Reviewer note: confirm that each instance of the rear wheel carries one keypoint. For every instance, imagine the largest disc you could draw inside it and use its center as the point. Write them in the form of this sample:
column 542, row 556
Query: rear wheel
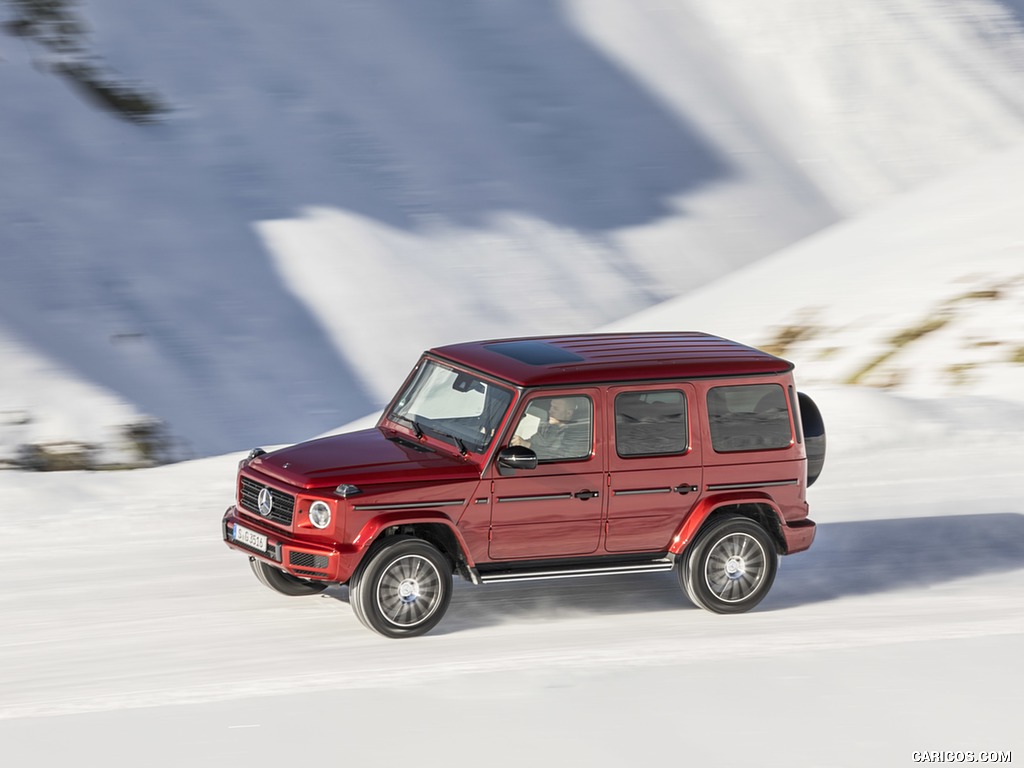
column 285, row 583
column 730, row 566
column 404, row 588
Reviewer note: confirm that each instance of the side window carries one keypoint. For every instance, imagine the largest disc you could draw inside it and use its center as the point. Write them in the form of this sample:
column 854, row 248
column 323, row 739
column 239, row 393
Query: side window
column 557, row 428
column 751, row 417
column 651, row 423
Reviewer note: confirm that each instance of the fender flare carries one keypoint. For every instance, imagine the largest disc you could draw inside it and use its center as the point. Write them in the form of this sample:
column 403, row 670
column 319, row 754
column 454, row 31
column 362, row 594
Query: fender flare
column 711, row 504
column 371, row 532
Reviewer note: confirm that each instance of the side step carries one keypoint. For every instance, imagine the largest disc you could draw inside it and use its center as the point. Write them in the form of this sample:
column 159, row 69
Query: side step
column 575, row 572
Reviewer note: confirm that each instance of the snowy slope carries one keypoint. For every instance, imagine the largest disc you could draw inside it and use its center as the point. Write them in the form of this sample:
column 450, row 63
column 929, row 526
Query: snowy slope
column 338, row 188
column 924, row 296
column 894, row 633
column 352, row 182
column 132, row 636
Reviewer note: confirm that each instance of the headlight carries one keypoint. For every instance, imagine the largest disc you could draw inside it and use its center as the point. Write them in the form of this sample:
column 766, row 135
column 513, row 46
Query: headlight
column 320, row 514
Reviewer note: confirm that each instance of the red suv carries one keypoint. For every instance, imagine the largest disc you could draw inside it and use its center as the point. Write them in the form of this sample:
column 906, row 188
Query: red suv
column 538, row 458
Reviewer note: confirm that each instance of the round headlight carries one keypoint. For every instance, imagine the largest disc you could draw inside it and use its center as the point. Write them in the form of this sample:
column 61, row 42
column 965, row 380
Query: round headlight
column 320, row 514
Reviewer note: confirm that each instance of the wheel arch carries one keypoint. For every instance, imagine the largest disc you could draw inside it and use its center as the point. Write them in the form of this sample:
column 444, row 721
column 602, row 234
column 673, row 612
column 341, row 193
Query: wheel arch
column 758, row 508
column 432, row 527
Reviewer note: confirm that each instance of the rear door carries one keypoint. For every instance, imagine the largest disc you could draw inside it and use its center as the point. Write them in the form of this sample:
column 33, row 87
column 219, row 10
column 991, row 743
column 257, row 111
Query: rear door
column 654, row 462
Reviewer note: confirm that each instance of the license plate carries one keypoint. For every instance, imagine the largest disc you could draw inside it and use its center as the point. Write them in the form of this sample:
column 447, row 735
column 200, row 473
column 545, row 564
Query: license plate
column 250, row 538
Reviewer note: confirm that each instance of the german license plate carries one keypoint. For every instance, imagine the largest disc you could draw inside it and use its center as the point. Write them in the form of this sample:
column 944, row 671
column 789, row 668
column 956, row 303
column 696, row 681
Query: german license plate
column 250, row 538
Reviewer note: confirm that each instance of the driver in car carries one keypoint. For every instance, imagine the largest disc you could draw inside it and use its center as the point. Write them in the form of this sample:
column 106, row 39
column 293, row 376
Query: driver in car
column 558, row 437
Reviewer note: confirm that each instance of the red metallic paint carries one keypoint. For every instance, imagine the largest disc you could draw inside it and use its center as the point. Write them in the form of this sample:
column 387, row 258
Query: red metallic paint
column 646, row 522
column 366, row 457
column 619, row 357
column 644, row 504
column 336, row 569
column 342, row 558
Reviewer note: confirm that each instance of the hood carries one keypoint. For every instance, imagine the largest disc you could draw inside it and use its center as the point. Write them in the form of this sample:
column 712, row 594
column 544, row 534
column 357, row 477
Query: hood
column 366, row 457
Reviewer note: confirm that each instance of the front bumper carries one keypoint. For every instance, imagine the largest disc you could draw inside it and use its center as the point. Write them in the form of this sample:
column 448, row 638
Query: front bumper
column 294, row 555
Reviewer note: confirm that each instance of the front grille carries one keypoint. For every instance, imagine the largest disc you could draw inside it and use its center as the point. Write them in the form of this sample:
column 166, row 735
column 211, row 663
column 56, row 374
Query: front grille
column 284, row 503
column 307, row 560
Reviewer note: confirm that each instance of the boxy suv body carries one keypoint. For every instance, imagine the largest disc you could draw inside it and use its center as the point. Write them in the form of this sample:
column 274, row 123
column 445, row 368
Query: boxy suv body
column 547, row 457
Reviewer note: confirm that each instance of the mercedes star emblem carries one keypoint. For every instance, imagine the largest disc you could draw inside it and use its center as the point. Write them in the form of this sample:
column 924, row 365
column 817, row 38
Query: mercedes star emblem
column 266, row 502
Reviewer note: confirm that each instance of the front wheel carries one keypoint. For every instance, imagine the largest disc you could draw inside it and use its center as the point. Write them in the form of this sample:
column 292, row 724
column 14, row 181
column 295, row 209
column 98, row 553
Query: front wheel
column 404, row 588
column 730, row 567
column 285, row 583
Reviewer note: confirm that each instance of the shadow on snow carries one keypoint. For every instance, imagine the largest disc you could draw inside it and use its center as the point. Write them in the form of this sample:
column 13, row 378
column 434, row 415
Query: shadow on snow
column 847, row 560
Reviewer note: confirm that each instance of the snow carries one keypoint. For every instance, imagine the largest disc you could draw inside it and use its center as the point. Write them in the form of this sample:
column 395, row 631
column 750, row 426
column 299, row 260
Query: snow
column 917, row 568
column 593, row 157
column 933, row 280
column 340, row 188
column 36, row 394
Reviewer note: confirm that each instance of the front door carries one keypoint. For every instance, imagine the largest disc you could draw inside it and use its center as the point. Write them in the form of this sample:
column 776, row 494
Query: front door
column 654, row 461
column 555, row 510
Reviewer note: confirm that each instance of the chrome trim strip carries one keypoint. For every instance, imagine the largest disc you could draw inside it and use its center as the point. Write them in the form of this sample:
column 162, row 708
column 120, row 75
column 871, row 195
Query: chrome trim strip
column 740, row 486
column 641, row 491
column 550, row 497
column 412, row 505
column 658, row 565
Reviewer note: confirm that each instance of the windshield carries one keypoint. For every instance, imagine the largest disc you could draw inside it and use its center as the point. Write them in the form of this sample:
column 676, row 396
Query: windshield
column 453, row 405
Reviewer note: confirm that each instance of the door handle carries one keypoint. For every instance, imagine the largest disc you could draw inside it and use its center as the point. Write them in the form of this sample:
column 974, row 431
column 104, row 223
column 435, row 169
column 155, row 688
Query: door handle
column 584, row 495
column 682, row 490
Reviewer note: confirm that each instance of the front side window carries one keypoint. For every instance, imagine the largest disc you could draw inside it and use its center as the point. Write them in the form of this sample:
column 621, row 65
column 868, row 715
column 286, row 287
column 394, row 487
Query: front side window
column 453, row 405
column 557, row 428
column 749, row 417
column 651, row 423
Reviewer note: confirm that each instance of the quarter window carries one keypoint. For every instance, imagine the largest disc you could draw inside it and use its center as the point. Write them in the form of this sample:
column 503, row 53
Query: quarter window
column 651, row 423
column 751, row 417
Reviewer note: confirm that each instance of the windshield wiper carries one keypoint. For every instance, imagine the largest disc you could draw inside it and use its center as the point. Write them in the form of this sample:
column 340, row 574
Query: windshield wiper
column 416, row 428
column 418, row 431
column 458, row 441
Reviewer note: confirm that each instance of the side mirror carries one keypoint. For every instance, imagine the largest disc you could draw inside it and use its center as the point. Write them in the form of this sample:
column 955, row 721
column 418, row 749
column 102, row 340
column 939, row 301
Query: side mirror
column 517, row 457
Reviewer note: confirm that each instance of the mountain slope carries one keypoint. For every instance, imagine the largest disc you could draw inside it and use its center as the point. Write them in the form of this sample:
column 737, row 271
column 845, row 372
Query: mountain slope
column 337, row 188
column 923, row 296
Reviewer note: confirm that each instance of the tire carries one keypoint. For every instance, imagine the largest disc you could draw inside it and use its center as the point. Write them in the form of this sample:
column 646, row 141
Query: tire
column 403, row 589
column 284, row 583
column 730, row 566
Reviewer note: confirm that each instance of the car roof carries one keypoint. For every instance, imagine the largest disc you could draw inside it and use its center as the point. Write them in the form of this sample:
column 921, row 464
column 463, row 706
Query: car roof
column 610, row 357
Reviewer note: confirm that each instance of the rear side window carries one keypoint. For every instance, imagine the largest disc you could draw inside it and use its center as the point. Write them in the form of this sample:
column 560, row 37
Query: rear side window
column 750, row 417
column 650, row 423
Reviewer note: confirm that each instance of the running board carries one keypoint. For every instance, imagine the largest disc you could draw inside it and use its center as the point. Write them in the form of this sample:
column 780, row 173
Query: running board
column 575, row 572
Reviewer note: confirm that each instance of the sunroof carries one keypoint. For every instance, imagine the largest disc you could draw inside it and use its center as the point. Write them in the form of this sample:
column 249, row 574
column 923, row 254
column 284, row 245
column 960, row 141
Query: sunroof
column 534, row 352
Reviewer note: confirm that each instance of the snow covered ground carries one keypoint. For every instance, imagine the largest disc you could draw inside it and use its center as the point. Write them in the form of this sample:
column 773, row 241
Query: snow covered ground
column 362, row 180
column 133, row 636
